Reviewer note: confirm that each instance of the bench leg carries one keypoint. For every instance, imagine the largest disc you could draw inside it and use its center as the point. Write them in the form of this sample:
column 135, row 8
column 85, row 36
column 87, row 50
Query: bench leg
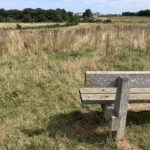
column 107, row 110
column 121, row 108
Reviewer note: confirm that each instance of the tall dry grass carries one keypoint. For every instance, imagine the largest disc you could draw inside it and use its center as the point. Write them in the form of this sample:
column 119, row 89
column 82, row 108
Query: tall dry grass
column 107, row 38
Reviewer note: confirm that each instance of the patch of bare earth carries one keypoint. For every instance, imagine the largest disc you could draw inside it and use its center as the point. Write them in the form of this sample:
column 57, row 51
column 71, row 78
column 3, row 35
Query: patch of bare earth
column 139, row 107
column 126, row 145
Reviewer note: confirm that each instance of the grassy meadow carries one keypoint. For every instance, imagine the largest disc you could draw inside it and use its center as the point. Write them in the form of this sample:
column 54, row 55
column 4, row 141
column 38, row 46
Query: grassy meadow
column 41, row 72
column 129, row 19
column 114, row 19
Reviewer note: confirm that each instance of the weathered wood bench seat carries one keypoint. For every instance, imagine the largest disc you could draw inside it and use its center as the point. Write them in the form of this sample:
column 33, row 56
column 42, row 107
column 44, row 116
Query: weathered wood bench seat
column 107, row 95
column 114, row 90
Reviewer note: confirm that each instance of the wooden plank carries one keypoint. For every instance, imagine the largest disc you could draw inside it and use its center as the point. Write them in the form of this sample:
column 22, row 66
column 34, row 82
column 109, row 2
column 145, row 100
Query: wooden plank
column 110, row 98
column 110, row 78
column 114, row 123
column 113, row 90
column 121, row 105
column 122, row 97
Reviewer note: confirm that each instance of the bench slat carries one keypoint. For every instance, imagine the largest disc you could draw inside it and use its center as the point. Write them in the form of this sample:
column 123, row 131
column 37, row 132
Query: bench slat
column 110, row 98
column 113, row 90
column 110, row 78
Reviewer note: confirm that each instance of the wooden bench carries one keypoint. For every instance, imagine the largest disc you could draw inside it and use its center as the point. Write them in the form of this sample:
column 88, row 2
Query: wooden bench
column 114, row 90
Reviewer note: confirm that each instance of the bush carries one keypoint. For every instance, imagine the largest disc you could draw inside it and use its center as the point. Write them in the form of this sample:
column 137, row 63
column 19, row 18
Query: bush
column 88, row 20
column 98, row 20
column 107, row 21
column 74, row 20
column 47, row 26
column 71, row 24
column 19, row 26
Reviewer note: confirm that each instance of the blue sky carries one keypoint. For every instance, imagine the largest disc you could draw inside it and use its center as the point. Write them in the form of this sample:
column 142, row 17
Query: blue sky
column 103, row 6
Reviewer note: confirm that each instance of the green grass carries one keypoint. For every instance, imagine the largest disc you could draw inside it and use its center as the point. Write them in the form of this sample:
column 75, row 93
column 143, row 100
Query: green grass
column 45, row 26
column 40, row 104
column 71, row 55
column 138, row 128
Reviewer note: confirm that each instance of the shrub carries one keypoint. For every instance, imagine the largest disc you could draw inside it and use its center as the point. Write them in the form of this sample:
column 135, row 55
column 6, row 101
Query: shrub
column 88, row 20
column 107, row 21
column 71, row 24
column 98, row 20
column 19, row 26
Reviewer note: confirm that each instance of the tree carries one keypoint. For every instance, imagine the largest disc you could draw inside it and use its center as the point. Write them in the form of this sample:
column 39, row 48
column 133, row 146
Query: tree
column 27, row 18
column 58, row 18
column 74, row 19
column 41, row 18
column 88, row 13
column 2, row 15
column 37, row 15
column 140, row 13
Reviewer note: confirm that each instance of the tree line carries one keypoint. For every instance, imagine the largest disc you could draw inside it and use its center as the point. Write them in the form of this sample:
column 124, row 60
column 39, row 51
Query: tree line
column 37, row 15
column 139, row 13
column 41, row 15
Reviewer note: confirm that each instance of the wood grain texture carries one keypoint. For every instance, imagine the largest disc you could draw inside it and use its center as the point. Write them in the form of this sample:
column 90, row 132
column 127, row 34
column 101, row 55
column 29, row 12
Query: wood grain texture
column 114, row 123
column 113, row 90
column 121, row 105
column 122, row 97
column 110, row 78
column 110, row 98
column 118, row 123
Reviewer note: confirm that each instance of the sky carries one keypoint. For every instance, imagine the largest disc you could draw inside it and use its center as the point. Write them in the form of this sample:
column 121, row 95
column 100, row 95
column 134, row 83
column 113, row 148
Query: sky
column 103, row 6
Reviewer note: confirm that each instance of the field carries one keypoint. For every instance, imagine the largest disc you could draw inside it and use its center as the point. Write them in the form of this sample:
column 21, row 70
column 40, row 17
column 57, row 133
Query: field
column 41, row 72
column 129, row 19
column 115, row 19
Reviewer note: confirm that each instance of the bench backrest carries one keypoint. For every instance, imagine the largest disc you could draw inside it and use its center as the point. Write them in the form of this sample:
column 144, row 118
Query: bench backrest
column 110, row 79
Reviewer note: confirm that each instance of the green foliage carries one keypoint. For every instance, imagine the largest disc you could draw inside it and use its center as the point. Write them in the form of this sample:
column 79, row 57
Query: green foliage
column 10, row 19
column 88, row 13
column 40, row 15
column 48, row 26
column 92, row 20
column 74, row 19
column 71, row 24
column 107, row 21
column 18, row 26
column 27, row 18
column 87, row 19
column 36, row 15
column 139, row 13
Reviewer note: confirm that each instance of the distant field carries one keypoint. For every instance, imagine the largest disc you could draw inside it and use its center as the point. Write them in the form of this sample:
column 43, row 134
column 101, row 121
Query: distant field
column 130, row 19
column 126, row 19
column 115, row 19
